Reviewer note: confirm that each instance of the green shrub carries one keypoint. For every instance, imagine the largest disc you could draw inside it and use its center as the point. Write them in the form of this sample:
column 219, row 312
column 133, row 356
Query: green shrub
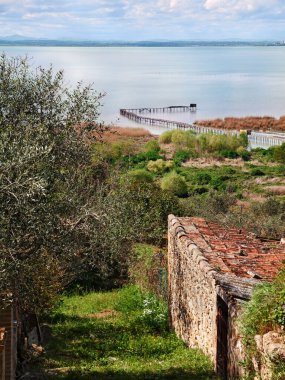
column 166, row 137
column 152, row 146
column 181, row 156
column 256, row 172
column 159, row 166
column 219, row 183
column 140, row 176
column 174, row 183
column 279, row 153
column 202, row 178
column 179, row 139
column 243, row 153
column 243, row 139
column 263, row 313
column 228, row 153
column 142, row 157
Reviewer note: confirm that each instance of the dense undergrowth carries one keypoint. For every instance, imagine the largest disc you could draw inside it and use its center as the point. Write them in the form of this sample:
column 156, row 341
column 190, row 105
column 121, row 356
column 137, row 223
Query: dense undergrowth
column 120, row 335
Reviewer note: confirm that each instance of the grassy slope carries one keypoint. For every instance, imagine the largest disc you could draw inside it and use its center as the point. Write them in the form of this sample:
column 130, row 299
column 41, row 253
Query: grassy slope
column 114, row 346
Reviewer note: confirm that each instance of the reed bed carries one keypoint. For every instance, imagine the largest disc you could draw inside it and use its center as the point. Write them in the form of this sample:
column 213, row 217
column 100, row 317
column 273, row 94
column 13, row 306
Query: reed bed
column 257, row 123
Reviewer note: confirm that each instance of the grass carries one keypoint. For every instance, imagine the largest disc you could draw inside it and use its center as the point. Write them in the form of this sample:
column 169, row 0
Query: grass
column 120, row 133
column 92, row 339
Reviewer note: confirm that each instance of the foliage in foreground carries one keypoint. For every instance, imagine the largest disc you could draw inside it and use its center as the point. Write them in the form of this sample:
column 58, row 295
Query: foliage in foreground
column 115, row 335
column 43, row 209
column 263, row 313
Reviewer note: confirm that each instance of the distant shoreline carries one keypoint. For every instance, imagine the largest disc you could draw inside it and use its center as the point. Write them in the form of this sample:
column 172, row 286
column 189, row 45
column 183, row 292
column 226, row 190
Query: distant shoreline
column 71, row 43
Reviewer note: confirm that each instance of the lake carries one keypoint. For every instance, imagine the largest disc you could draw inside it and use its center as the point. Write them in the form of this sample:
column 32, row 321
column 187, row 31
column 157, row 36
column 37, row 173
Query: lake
column 223, row 81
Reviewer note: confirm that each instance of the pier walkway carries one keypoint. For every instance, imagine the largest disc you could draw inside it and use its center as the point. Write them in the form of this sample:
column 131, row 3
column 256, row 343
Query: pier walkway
column 138, row 115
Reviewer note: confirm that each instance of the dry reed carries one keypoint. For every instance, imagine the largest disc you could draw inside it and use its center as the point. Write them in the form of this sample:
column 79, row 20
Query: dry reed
column 257, row 123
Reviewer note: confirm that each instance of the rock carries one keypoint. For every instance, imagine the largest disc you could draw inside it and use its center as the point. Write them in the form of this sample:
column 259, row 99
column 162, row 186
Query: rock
column 274, row 345
column 259, row 342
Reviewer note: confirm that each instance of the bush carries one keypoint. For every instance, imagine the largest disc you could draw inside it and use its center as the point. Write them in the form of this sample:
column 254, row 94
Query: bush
column 202, row 178
column 264, row 312
column 219, row 183
column 243, row 153
column 159, row 166
column 152, row 146
column 228, row 153
column 174, row 183
column 279, row 153
column 181, row 156
column 256, row 172
column 179, row 139
column 166, row 137
column 243, row 139
column 140, row 176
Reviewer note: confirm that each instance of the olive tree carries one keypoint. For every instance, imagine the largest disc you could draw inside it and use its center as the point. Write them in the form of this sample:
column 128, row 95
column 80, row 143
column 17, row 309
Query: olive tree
column 45, row 187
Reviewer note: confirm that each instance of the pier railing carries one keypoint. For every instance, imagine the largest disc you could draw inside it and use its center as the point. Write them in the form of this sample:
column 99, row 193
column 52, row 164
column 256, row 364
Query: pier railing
column 138, row 115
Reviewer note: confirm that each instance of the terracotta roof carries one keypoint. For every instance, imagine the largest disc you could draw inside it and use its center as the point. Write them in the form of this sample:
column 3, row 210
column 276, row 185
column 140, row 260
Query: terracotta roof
column 237, row 252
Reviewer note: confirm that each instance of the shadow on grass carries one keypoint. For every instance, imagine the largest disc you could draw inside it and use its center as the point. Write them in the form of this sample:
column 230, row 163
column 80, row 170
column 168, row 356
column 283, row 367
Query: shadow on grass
column 171, row 374
column 118, row 347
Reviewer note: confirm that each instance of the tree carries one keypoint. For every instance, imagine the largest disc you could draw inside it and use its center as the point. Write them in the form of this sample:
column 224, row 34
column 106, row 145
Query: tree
column 46, row 190
column 130, row 212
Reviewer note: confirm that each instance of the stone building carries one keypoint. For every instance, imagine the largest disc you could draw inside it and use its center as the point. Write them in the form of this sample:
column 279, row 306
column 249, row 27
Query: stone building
column 212, row 272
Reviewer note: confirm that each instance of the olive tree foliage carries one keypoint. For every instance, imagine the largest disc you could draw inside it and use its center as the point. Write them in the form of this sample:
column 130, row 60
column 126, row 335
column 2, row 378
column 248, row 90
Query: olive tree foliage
column 46, row 191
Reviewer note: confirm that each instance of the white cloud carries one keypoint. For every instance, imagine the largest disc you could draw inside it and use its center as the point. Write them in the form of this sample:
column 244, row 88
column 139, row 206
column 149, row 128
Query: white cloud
column 238, row 5
column 171, row 19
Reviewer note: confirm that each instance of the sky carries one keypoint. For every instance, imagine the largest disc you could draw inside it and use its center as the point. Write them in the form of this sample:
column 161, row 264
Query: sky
column 144, row 19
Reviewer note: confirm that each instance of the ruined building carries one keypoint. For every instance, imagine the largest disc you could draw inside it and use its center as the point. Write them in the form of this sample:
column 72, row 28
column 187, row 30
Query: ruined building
column 212, row 272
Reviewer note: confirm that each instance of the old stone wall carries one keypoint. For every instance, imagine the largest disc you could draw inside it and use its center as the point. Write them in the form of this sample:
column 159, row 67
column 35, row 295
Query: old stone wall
column 270, row 353
column 192, row 294
column 10, row 348
column 236, row 352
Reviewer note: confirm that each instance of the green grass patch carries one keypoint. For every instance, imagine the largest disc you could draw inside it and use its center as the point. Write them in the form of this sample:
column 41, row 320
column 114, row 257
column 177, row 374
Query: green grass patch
column 111, row 336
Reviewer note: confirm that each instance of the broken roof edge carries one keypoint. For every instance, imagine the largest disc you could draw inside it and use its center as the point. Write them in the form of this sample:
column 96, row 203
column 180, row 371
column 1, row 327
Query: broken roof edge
column 234, row 286
column 201, row 261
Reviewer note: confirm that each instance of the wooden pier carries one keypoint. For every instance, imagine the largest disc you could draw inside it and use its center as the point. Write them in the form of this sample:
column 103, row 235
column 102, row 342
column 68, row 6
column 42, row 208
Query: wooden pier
column 139, row 116
column 136, row 115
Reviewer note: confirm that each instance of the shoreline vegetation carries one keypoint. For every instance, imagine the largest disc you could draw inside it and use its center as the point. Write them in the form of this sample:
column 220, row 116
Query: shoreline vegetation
column 256, row 123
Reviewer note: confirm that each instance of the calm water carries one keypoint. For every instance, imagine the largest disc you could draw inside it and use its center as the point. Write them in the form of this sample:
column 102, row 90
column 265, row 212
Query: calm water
column 223, row 81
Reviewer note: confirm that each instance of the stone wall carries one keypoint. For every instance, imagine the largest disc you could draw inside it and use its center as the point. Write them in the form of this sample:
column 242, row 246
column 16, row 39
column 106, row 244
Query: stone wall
column 9, row 353
column 236, row 352
column 192, row 294
column 270, row 353
column 205, row 305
